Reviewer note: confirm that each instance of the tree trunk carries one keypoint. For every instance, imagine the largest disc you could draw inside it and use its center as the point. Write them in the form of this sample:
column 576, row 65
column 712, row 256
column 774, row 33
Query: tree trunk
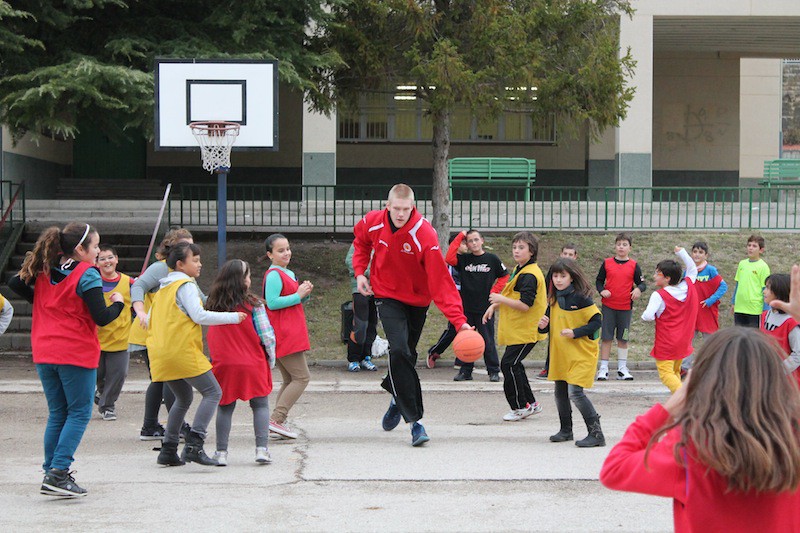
column 441, row 189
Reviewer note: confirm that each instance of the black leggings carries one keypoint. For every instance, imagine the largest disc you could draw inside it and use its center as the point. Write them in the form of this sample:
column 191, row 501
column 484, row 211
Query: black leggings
column 156, row 392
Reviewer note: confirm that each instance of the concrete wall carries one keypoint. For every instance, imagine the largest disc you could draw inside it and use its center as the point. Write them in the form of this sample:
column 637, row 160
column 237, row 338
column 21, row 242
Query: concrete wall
column 39, row 163
column 695, row 120
column 562, row 164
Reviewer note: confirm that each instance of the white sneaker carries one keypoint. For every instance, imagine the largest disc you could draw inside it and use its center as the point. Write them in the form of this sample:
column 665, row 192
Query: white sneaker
column 221, row 456
column 525, row 412
column 282, row 430
column 624, row 374
column 602, row 374
column 262, row 456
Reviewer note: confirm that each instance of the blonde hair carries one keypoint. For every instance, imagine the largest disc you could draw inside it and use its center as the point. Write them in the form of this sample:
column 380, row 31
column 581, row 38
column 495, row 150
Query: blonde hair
column 741, row 413
column 401, row 191
column 52, row 244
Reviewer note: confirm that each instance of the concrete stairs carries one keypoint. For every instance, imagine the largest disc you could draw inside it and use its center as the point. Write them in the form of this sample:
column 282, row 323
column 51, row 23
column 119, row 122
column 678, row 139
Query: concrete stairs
column 101, row 189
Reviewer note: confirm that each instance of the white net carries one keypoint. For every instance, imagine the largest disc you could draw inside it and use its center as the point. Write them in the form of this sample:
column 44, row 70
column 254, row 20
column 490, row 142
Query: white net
column 215, row 140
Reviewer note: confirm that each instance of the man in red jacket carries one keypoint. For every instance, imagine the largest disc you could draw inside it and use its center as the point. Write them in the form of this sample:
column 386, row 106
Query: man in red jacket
column 407, row 272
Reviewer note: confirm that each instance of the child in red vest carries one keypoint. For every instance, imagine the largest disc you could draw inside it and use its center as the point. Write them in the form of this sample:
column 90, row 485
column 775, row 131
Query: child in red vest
column 238, row 357
column 725, row 446
column 620, row 283
column 285, row 298
column 61, row 280
column 673, row 307
column 710, row 288
column 779, row 325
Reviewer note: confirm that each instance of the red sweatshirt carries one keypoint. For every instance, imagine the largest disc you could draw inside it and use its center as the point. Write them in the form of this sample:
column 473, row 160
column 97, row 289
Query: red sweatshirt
column 407, row 265
column 700, row 501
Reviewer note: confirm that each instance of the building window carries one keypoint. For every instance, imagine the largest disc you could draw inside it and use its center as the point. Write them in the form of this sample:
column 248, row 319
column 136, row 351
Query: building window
column 399, row 116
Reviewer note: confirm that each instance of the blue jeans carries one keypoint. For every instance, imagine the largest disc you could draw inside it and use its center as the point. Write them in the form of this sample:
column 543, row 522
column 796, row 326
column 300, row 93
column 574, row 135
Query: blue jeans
column 70, row 394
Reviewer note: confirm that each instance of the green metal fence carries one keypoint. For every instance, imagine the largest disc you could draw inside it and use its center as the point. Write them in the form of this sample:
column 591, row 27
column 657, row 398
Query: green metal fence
column 338, row 208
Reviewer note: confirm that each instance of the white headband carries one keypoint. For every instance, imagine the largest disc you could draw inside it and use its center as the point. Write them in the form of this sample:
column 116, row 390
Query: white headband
column 85, row 233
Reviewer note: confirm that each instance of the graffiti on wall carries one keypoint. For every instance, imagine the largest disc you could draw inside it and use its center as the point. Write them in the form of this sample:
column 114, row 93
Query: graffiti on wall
column 686, row 125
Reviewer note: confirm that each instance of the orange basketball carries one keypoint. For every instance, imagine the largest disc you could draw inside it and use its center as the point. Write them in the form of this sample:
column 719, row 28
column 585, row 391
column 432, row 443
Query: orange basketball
column 469, row 345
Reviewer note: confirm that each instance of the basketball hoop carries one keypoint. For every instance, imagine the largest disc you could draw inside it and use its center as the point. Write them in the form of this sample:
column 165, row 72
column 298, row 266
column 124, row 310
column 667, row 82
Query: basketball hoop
column 215, row 138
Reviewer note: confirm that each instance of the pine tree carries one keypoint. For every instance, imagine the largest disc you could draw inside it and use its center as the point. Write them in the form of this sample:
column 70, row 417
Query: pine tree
column 64, row 61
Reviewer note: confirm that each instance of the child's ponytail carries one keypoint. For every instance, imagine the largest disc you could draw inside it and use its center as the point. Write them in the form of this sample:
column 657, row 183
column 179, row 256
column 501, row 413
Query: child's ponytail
column 44, row 255
column 52, row 244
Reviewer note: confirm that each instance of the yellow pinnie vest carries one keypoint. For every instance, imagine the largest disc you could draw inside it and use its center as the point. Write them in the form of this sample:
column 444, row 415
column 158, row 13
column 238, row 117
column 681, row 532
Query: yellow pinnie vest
column 572, row 360
column 2, row 302
column 138, row 333
column 114, row 336
column 521, row 327
column 174, row 341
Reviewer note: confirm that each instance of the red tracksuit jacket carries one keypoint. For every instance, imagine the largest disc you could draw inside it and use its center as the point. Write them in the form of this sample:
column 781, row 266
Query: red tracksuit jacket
column 407, row 265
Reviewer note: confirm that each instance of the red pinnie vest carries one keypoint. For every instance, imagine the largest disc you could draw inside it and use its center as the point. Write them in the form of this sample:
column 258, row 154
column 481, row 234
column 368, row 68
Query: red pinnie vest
column 781, row 334
column 238, row 360
column 619, row 280
column 62, row 331
column 707, row 317
column 289, row 323
column 675, row 326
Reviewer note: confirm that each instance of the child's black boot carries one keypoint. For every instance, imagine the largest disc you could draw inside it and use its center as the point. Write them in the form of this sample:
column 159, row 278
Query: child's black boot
column 565, row 433
column 168, row 455
column 193, row 451
column 595, row 437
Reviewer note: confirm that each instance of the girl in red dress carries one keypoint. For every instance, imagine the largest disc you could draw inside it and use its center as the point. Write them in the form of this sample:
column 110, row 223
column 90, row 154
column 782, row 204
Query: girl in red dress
column 285, row 298
column 242, row 356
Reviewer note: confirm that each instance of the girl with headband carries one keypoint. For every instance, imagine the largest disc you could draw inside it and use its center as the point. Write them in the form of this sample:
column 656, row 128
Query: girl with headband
column 60, row 279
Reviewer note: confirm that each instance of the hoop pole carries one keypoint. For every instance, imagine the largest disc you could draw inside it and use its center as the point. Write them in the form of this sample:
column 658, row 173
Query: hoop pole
column 155, row 229
column 222, row 214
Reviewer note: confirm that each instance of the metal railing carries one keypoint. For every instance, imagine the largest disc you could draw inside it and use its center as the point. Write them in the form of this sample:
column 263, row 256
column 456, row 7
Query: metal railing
column 338, row 208
column 12, row 222
column 12, row 200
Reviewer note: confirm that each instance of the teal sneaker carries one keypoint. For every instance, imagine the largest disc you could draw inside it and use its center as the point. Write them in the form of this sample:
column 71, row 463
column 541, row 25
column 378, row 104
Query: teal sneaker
column 353, row 367
column 367, row 364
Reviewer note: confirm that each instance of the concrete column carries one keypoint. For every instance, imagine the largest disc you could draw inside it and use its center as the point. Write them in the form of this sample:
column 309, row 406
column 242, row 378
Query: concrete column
column 601, row 166
column 319, row 150
column 633, row 164
column 760, row 117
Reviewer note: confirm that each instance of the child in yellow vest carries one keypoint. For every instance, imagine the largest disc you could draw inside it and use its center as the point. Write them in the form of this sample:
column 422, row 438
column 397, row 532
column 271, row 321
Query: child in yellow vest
column 175, row 347
column 521, row 304
column 574, row 320
column 114, row 355
column 6, row 314
column 142, row 292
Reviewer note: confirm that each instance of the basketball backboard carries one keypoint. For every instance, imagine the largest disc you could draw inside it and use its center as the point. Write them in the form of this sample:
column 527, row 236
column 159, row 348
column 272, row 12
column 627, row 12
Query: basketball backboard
column 236, row 90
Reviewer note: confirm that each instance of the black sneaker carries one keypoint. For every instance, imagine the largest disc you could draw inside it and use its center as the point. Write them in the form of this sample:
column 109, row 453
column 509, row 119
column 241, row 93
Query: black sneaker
column 463, row 376
column 494, row 377
column 61, row 483
column 152, row 433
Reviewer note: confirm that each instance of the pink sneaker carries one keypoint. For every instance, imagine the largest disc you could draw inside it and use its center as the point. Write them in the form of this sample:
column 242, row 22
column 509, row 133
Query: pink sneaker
column 281, row 430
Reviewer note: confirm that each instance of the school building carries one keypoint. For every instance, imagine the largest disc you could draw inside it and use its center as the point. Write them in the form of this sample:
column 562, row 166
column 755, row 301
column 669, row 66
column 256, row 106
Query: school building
column 707, row 112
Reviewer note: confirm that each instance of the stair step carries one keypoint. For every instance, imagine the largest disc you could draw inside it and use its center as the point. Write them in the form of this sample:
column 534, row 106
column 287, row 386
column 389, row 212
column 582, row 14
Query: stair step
column 15, row 340
column 19, row 323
